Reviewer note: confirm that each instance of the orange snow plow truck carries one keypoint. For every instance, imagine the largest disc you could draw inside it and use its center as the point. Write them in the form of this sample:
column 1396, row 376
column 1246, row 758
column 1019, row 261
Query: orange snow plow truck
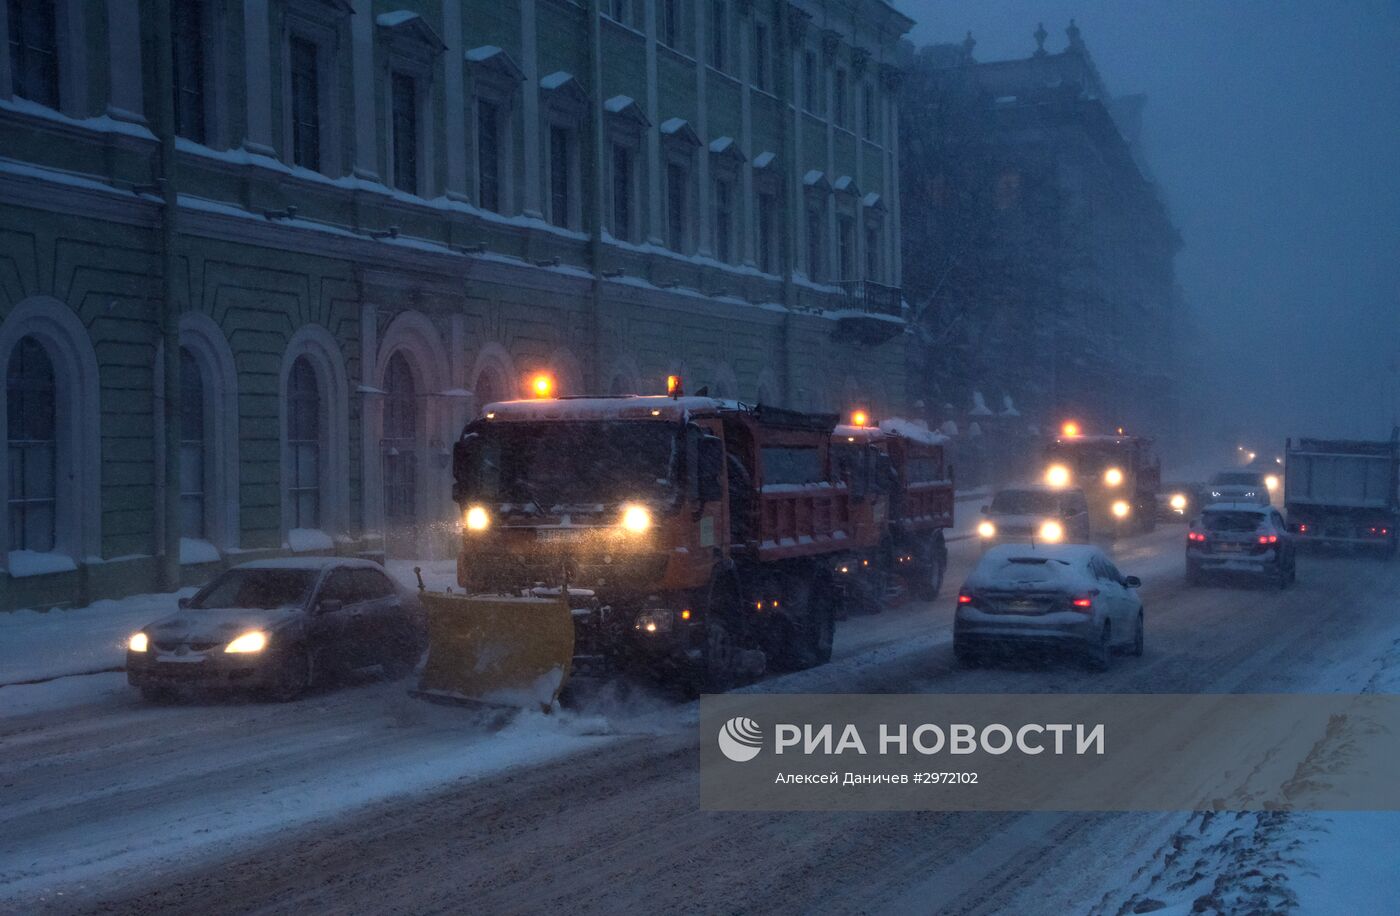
column 694, row 539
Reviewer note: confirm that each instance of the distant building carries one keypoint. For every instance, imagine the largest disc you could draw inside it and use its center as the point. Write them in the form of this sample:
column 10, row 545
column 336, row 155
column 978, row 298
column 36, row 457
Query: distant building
column 391, row 213
column 1039, row 255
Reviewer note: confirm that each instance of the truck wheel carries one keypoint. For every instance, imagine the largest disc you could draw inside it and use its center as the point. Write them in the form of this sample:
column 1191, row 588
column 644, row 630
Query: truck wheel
column 717, row 671
column 806, row 639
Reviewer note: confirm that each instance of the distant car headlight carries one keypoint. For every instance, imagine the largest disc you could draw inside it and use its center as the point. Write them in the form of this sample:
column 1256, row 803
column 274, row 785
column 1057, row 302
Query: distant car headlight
column 1057, row 475
column 1052, row 532
column 1178, row 502
column 138, row 642
column 477, row 518
column 636, row 519
column 252, row 641
column 1121, row 509
column 1271, row 481
column 986, row 530
column 1113, row 477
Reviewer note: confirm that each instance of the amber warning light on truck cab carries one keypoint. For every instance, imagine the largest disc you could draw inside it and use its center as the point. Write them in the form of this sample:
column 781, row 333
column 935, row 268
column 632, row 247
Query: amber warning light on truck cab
column 542, row 385
column 674, row 386
column 1070, row 429
column 859, row 418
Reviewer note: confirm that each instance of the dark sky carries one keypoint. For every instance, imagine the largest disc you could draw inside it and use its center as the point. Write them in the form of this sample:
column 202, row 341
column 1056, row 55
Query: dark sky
column 1274, row 129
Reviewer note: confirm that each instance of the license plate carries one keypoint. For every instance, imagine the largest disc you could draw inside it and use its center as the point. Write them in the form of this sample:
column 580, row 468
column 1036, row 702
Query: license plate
column 1228, row 548
column 561, row 534
column 1022, row 604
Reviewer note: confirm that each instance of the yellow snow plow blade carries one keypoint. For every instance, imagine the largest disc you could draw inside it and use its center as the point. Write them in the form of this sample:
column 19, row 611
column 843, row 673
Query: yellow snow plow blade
column 497, row 650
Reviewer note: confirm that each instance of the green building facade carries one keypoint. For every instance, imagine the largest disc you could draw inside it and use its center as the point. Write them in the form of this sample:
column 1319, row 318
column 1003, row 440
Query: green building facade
column 372, row 218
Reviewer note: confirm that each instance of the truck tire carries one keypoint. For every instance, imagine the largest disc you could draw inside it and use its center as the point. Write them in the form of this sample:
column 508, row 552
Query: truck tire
column 806, row 639
column 719, row 661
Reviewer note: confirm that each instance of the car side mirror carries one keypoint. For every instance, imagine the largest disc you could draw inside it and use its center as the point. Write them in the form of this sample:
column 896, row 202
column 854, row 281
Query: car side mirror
column 710, row 460
column 1132, row 582
column 183, row 603
column 329, row 606
column 1071, row 512
column 985, row 509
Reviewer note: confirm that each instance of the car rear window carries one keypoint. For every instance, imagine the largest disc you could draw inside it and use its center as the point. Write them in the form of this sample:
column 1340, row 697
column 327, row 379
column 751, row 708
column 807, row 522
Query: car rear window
column 1232, row 521
column 1236, row 479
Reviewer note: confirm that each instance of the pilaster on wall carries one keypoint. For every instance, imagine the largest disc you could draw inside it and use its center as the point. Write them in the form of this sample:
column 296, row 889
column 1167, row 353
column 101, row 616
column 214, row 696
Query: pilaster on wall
column 530, row 107
column 748, row 212
column 362, row 63
column 702, row 127
column 653, row 229
column 454, row 100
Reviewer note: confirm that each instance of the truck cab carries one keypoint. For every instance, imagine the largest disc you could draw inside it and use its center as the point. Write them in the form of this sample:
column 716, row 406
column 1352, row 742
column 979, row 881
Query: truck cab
column 1119, row 474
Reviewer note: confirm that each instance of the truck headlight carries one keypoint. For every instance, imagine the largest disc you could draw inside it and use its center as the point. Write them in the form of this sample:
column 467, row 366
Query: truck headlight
column 1178, row 502
column 477, row 518
column 1052, row 532
column 138, row 642
column 986, row 530
column 654, row 622
column 1121, row 509
column 1271, row 481
column 1057, row 475
column 252, row 641
column 636, row 519
column 1113, row 477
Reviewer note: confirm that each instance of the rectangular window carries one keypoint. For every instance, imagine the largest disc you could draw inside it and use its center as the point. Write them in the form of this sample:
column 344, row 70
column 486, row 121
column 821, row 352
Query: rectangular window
column 306, row 103
column 488, row 155
column 846, row 243
column 33, row 51
column 868, row 110
column 187, row 53
column 559, row 191
column 670, row 23
column 724, row 220
column 404, row 91
column 676, row 178
column 760, row 56
column 789, row 464
column 815, row 242
column 839, row 104
column 767, row 233
column 719, row 38
column 622, row 192
column 872, row 253
column 809, row 81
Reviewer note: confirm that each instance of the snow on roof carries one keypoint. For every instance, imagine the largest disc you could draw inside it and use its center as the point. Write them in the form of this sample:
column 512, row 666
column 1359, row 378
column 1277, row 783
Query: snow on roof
column 395, row 18
column 483, row 53
column 1008, row 409
column 764, row 159
column 626, row 407
column 872, row 199
column 1034, row 566
column 914, row 430
column 1230, row 506
column 619, row 103
column 814, row 177
column 979, row 406
column 721, row 144
column 671, row 125
column 555, row 79
column 846, row 184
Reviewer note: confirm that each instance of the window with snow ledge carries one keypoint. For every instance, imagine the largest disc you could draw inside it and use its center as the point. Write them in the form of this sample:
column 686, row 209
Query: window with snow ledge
column 726, row 162
column 197, row 29
column 626, row 126
column 407, row 83
column 45, row 58
column 496, row 82
column 564, row 110
column 49, row 472
column 312, row 34
column 679, row 145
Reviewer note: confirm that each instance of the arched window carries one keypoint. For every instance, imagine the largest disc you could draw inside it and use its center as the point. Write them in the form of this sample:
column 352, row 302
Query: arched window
column 193, row 450
column 399, row 445
column 31, row 405
column 304, row 443
column 488, row 388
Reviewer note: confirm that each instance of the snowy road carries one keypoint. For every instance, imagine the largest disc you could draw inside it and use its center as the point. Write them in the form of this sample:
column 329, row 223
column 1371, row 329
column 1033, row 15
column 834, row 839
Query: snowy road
column 364, row 800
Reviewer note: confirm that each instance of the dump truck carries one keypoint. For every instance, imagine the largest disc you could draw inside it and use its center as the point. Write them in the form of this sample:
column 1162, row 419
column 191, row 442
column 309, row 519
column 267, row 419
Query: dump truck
column 691, row 538
column 1344, row 492
column 902, row 490
column 1119, row 474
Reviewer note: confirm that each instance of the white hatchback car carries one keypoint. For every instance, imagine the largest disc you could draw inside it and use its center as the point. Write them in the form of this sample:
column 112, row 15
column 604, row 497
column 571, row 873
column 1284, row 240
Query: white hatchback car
column 1057, row 596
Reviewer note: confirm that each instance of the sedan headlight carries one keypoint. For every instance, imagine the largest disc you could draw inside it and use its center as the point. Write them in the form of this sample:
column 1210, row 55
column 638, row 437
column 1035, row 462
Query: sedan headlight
column 1052, row 532
column 252, row 641
column 1121, row 509
column 1113, row 477
column 986, row 530
column 138, row 642
column 636, row 519
column 1178, row 502
column 477, row 518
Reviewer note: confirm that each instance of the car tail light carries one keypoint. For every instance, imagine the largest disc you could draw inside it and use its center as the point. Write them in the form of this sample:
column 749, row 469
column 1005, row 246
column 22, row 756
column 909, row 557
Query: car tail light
column 964, row 597
column 1082, row 603
column 1303, row 529
column 1268, row 538
column 1195, row 537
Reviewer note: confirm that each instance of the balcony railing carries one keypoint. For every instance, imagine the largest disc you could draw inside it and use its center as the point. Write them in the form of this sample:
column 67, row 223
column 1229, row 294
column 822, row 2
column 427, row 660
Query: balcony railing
column 872, row 298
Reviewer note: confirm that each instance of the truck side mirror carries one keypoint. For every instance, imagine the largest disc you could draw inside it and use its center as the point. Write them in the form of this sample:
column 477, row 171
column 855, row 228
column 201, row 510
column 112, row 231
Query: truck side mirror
column 709, row 463
column 985, row 509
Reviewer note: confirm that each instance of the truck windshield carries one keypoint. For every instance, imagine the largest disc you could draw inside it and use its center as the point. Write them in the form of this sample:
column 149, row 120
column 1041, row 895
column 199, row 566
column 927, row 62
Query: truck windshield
column 1092, row 460
column 554, row 463
column 1025, row 502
